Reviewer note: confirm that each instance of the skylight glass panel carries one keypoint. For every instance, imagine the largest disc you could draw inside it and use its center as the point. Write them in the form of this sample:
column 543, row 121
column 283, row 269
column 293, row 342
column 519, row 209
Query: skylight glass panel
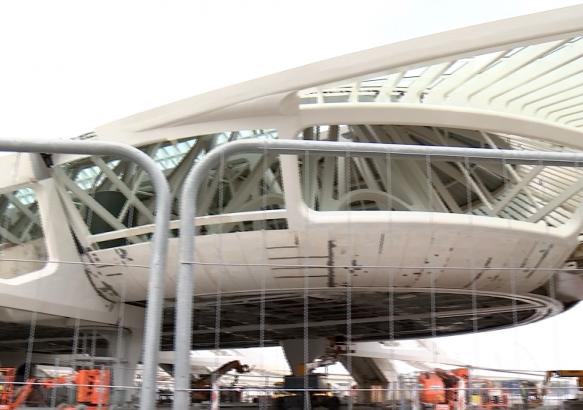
column 26, row 196
column 89, row 177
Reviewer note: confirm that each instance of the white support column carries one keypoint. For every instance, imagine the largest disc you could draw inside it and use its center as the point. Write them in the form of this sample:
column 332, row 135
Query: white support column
column 125, row 345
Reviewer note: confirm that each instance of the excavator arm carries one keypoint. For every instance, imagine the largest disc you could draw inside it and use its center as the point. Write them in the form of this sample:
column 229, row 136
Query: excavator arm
column 218, row 373
column 233, row 365
column 204, row 382
column 21, row 396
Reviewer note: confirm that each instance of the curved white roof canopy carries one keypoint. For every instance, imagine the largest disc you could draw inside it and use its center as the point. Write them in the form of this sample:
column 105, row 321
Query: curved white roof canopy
column 520, row 76
column 525, row 68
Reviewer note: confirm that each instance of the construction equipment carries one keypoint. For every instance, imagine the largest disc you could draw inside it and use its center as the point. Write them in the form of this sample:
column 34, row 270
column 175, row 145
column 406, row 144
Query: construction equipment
column 526, row 390
column 7, row 375
column 485, row 395
column 303, row 385
column 446, row 390
column 12, row 397
column 442, row 390
column 292, row 395
column 566, row 373
column 574, row 404
column 92, row 388
column 203, row 385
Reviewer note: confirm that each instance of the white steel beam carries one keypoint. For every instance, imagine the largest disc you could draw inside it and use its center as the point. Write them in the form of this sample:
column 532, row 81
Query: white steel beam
column 124, row 189
column 522, row 185
column 557, row 201
column 91, row 203
column 75, row 219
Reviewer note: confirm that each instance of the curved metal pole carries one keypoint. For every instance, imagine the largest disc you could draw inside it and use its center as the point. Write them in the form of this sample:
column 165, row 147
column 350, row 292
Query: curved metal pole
column 199, row 174
column 159, row 241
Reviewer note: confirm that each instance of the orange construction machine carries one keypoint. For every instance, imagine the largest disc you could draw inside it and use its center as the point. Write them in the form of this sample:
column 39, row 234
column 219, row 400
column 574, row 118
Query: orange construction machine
column 448, row 390
column 92, row 388
column 7, row 375
column 443, row 390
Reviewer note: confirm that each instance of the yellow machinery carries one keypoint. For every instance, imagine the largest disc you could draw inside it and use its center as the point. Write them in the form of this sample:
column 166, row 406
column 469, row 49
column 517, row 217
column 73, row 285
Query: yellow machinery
column 203, row 385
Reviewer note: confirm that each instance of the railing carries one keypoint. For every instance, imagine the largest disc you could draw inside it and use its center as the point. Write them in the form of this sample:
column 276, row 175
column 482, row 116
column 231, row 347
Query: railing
column 209, row 220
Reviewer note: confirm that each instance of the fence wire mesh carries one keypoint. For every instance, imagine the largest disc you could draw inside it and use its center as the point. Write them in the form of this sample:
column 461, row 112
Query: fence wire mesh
column 350, row 267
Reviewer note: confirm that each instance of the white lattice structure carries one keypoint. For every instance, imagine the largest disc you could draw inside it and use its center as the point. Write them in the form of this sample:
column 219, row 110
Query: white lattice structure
column 455, row 247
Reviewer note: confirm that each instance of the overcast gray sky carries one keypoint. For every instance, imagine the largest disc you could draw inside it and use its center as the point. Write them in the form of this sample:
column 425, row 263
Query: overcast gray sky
column 70, row 66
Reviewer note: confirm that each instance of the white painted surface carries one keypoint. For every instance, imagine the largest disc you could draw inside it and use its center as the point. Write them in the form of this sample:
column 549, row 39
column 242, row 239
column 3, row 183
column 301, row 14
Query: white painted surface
column 405, row 244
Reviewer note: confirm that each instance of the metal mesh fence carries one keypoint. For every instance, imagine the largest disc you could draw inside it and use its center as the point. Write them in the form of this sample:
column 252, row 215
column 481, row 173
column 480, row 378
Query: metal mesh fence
column 323, row 286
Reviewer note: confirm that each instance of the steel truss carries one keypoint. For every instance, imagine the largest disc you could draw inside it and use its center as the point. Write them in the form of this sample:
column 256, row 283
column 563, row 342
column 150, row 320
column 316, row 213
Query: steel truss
column 198, row 176
column 250, row 183
column 246, row 184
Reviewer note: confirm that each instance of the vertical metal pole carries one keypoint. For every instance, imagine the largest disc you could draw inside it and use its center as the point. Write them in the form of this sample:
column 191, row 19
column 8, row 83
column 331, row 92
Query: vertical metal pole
column 402, row 399
column 159, row 241
column 184, row 278
column 184, row 292
column 198, row 174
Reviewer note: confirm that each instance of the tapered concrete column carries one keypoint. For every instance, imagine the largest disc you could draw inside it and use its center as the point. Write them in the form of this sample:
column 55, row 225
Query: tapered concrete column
column 367, row 375
column 297, row 355
column 126, row 350
column 125, row 347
